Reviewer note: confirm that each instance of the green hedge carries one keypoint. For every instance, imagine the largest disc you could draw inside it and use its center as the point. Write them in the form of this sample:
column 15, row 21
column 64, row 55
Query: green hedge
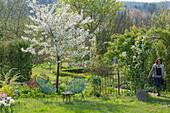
column 11, row 56
column 74, row 70
column 72, row 74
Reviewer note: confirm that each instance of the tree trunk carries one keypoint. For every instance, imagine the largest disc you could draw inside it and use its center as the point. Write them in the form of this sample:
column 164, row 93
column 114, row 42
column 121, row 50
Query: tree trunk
column 118, row 82
column 57, row 78
column 105, row 84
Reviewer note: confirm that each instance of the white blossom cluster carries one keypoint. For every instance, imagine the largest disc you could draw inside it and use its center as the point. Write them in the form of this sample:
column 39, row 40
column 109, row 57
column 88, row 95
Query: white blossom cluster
column 139, row 51
column 62, row 31
column 5, row 101
column 124, row 54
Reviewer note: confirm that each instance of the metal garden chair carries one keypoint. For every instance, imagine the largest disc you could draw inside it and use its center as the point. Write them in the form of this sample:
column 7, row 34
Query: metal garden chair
column 46, row 86
column 77, row 85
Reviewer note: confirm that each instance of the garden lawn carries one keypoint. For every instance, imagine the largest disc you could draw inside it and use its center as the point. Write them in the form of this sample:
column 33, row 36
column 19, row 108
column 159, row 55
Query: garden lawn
column 111, row 104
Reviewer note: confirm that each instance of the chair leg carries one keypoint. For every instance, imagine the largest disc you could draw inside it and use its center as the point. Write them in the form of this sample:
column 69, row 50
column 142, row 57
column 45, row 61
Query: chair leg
column 66, row 97
column 69, row 98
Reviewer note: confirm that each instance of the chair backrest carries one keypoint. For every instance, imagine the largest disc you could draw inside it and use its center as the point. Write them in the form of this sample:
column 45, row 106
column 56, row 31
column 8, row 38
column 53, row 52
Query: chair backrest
column 45, row 85
column 77, row 85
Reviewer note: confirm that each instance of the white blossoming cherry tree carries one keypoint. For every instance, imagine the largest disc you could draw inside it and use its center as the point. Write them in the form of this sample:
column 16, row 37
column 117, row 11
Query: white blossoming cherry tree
column 62, row 31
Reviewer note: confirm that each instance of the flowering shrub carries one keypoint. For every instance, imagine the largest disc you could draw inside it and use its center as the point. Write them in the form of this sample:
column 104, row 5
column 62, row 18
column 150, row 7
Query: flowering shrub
column 134, row 62
column 30, row 88
column 7, row 89
column 32, row 83
column 6, row 102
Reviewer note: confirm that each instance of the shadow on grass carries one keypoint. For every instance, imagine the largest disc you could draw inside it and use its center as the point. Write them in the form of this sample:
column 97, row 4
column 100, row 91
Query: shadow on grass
column 166, row 97
column 157, row 100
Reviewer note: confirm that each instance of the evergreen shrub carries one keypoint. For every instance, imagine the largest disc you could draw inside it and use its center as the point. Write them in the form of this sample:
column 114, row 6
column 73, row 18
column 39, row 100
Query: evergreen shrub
column 11, row 56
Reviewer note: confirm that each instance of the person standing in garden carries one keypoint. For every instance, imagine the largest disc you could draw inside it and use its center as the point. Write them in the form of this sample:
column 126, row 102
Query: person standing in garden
column 158, row 73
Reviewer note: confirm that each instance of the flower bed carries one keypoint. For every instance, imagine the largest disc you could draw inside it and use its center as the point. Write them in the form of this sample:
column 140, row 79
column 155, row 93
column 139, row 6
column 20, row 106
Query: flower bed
column 5, row 103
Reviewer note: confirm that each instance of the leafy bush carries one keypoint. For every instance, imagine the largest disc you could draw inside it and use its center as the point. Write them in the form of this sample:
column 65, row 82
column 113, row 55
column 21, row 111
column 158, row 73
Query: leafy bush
column 95, row 82
column 99, row 66
column 62, row 87
column 7, row 90
column 11, row 56
column 27, row 92
column 25, row 89
column 8, row 83
column 32, row 83
column 133, row 58
column 168, row 82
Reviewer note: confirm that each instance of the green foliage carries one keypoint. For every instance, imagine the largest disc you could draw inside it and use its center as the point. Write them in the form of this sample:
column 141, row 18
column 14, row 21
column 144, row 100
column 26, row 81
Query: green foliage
column 161, row 48
column 72, row 74
column 160, row 33
column 95, row 82
column 123, row 21
column 104, row 13
column 161, row 20
column 99, row 66
column 11, row 56
column 14, row 17
column 27, row 92
column 25, row 89
column 10, row 80
column 132, row 48
column 136, row 70
column 7, row 90
column 8, row 84
column 128, row 93
column 7, row 109
column 74, row 70
column 62, row 87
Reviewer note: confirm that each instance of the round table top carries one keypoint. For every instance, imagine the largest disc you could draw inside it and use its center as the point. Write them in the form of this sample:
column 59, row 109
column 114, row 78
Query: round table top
column 67, row 93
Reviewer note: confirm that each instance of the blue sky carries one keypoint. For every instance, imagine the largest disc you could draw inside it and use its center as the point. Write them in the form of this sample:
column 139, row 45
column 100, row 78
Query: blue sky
column 146, row 0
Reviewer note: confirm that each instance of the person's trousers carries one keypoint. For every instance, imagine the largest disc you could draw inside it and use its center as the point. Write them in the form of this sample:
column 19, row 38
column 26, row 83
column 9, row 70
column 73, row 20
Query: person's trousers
column 157, row 81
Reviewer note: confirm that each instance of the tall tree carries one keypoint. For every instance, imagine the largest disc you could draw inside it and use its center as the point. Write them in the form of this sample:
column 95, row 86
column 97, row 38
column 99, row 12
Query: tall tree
column 123, row 21
column 63, row 32
column 13, row 17
column 103, row 12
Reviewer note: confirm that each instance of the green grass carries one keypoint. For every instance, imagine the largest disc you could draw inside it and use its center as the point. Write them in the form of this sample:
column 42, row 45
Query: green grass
column 110, row 104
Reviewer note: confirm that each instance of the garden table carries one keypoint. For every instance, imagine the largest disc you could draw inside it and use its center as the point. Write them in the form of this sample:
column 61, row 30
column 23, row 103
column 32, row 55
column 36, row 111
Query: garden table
column 67, row 95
